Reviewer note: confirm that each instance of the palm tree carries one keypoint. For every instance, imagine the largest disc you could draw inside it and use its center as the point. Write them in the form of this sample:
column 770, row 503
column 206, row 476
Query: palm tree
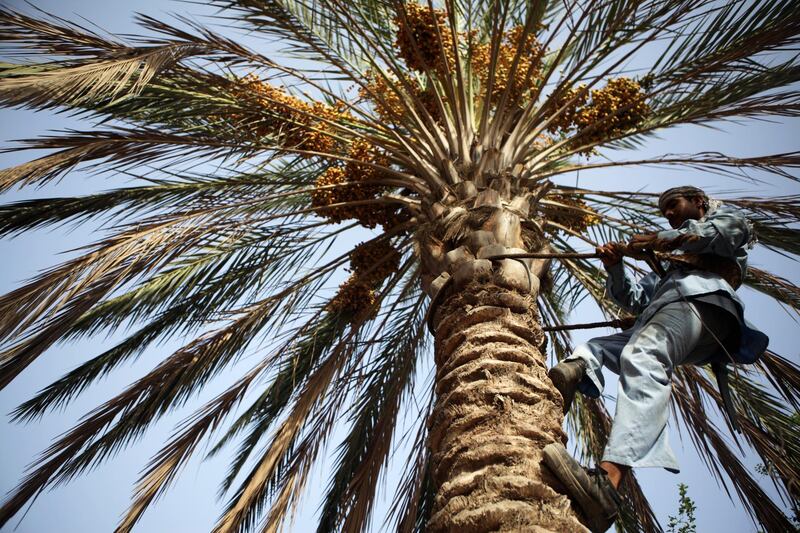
column 444, row 128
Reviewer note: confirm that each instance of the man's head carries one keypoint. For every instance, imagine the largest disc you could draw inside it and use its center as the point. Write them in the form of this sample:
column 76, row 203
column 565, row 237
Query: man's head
column 680, row 204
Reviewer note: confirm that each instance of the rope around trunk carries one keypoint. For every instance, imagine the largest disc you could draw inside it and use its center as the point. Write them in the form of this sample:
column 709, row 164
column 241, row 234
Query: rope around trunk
column 618, row 323
column 564, row 255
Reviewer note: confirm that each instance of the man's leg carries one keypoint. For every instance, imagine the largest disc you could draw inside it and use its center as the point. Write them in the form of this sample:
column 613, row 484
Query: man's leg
column 639, row 435
column 583, row 369
column 591, row 489
column 678, row 334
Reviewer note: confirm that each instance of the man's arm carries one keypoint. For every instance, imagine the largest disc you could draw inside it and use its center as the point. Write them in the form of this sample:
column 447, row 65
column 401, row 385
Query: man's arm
column 722, row 233
column 623, row 289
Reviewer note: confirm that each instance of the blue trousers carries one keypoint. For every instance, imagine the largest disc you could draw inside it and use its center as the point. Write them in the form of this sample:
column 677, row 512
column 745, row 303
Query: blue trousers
column 644, row 356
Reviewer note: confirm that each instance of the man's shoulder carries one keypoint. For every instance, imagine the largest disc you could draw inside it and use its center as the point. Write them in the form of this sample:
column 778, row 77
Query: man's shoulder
column 726, row 210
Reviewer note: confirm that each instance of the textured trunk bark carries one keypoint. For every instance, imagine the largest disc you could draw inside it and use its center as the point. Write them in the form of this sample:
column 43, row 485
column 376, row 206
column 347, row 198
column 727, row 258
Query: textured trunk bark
column 495, row 411
column 495, row 407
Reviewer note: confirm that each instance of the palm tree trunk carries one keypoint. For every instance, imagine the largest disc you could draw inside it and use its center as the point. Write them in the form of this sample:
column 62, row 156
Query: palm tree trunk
column 495, row 407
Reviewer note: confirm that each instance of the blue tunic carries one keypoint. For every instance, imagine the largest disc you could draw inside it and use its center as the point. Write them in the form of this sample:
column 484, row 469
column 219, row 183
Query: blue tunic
column 723, row 233
column 671, row 329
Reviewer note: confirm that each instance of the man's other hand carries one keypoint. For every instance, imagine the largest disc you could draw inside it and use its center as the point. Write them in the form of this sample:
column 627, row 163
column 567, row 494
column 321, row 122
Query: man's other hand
column 643, row 241
column 611, row 253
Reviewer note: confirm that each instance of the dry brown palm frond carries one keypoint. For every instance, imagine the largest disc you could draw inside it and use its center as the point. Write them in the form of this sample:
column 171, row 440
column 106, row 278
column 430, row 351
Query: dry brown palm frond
column 166, row 464
column 779, row 288
column 99, row 80
column 769, row 428
column 722, row 461
column 784, row 377
column 783, row 209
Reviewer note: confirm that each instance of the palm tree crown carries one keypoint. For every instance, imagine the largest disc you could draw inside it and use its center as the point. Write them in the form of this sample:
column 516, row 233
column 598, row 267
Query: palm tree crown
column 418, row 121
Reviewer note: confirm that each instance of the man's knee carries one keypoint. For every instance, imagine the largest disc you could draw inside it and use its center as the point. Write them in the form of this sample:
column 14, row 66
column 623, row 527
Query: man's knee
column 645, row 364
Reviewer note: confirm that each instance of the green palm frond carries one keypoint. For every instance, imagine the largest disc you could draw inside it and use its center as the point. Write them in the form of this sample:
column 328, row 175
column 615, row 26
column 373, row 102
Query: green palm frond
column 276, row 470
column 120, row 148
column 364, row 452
column 169, row 460
column 307, row 30
column 185, row 309
column 303, row 356
column 122, row 420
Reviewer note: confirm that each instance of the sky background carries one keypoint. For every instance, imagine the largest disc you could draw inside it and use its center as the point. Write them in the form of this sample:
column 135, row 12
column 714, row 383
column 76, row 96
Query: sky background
column 94, row 502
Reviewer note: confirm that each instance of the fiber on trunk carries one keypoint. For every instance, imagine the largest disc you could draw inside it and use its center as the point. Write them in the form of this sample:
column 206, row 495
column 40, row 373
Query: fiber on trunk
column 496, row 409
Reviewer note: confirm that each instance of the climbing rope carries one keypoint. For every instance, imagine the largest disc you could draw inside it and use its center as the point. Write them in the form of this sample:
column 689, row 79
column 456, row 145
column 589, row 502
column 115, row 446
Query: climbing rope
column 623, row 323
column 618, row 323
column 553, row 255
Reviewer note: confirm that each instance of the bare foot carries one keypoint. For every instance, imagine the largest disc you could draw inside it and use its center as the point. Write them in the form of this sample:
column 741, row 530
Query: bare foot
column 615, row 472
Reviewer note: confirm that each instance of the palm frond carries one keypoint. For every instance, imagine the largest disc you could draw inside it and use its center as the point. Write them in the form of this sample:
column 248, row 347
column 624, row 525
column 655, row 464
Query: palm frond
column 784, row 376
column 772, row 431
column 727, row 38
column 290, row 473
column 91, row 67
column 167, row 463
column 77, row 85
column 721, row 460
column 778, row 288
column 363, row 453
column 735, row 167
column 170, row 384
column 309, row 31
column 262, row 189
column 119, row 148
column 191, row 296
column 413, row 499
column 302, row 356
column 247, row 503
column 45, row 309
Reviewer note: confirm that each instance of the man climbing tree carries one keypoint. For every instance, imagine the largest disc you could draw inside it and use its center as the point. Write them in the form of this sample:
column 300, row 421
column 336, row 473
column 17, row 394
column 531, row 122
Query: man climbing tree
column 430, row 151
column 689, row 314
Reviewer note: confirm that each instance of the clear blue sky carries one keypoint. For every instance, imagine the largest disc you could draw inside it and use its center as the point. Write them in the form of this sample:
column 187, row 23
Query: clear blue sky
column 93, row 503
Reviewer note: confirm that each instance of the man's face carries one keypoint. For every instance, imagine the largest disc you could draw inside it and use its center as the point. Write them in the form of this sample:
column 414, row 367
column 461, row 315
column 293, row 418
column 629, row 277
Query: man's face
column 680, row 209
